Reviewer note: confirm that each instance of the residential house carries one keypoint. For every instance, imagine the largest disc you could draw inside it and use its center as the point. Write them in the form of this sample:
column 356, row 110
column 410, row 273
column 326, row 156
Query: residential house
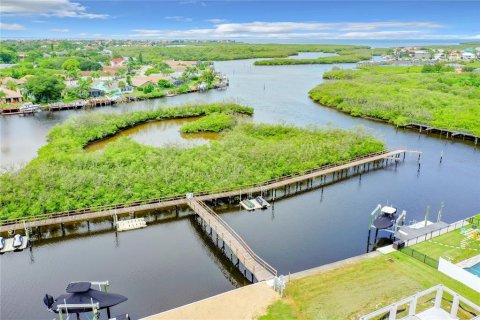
column 180, row 66
column 468, row 55
column 106, row 52
column 10, row 96
column 142, row 81
column 454, row 56
column 118, row 62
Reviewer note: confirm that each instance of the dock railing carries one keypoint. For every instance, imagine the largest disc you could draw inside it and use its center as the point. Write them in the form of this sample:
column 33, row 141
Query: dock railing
column 219, row 191
column 194, row 203
column 436, row 233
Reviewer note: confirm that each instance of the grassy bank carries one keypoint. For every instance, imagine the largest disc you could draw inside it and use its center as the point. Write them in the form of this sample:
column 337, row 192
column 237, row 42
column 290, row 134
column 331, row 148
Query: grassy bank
column 401, row 95
column 215, row 122
column 64, row 176
column 359, row 288
column 344, row 56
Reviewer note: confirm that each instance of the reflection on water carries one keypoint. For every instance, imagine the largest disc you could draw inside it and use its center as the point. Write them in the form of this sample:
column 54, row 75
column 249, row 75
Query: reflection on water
column 159, row 133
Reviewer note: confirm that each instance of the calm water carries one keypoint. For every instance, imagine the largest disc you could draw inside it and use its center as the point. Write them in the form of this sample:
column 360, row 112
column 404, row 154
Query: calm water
column 158, row 134
column 170, row 264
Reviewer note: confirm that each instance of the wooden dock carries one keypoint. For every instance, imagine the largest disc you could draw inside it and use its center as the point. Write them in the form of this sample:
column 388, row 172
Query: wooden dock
column 442, row 131
column 341, row 170
column 258, row 268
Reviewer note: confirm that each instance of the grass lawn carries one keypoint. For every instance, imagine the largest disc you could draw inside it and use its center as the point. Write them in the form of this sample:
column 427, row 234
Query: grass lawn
column 448, row 247
column 360, row 288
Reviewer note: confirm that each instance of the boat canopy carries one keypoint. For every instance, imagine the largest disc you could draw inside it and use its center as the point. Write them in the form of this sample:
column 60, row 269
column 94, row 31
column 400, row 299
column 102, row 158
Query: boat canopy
column 389, row 210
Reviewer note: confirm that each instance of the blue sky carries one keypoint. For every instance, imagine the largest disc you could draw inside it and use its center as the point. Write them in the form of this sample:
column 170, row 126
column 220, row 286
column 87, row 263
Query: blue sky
column 240, row 20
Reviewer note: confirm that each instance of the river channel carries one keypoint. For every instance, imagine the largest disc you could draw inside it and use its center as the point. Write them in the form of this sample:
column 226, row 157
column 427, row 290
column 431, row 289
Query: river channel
column 170, row 263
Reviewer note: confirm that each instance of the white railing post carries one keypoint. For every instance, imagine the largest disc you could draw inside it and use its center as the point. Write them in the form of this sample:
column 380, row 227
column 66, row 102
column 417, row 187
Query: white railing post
column 413, row 306
column 393, row 312
column 438, row 298
column 455, row 303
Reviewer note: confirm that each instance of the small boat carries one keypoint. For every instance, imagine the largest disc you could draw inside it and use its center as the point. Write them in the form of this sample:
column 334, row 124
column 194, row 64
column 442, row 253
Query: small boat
column 247, row 204
column 2, row 243
column 386, row 218
column 17, row 241
column 263, row 204
column 30, row 107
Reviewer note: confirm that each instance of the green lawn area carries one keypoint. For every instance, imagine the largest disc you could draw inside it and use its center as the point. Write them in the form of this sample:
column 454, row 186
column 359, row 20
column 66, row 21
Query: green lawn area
column 360, row 288
column 448, row 247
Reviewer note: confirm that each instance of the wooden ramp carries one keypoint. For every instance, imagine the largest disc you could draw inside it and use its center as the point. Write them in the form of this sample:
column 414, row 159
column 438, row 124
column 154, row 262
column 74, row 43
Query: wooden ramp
column 260, row 269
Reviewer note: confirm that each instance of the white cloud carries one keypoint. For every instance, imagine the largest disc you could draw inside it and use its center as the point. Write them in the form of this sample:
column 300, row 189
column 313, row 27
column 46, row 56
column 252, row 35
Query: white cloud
column 178, row 18
column 307, row 30
column 216, row 21
column 11, row 26
column 59, row 30
column 49, row 8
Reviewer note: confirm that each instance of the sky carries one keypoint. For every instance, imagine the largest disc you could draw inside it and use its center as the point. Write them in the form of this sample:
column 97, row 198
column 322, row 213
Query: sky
column 240, row 20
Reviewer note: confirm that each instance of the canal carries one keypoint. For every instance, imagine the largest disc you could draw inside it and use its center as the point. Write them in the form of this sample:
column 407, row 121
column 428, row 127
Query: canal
column 170, row 263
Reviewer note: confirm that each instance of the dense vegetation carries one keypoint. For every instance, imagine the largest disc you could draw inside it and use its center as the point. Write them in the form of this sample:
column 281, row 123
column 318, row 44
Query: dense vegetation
column 64, row 176
column 226, row 51
column 214, row 122
column 406, row 94
column 344, row 56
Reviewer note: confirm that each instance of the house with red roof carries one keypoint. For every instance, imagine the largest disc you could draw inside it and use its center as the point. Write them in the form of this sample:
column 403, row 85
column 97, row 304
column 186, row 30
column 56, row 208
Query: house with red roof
column 118, row 62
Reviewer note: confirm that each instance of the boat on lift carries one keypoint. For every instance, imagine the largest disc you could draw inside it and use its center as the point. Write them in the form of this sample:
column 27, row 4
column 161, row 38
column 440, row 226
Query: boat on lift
column 386, row 218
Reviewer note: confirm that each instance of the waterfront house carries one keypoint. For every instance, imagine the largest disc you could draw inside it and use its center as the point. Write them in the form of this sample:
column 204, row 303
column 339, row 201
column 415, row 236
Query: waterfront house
column 10, row 96
column 142, row 81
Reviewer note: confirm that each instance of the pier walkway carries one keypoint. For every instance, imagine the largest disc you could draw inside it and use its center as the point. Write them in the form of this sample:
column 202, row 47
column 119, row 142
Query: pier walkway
column 260, row 269
column 357, row 165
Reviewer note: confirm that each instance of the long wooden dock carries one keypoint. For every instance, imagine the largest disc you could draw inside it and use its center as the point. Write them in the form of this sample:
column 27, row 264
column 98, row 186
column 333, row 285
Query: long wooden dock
column 442, row 131
column 260, row 269
column 353, row 166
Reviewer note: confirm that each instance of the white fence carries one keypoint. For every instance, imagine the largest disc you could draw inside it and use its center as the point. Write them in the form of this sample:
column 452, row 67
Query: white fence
column 459, row 274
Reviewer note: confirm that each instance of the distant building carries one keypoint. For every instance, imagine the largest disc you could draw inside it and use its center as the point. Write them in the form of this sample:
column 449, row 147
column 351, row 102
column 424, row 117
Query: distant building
column 421, row 54
column 10, row 96
column 106, row 52
column 468, row 56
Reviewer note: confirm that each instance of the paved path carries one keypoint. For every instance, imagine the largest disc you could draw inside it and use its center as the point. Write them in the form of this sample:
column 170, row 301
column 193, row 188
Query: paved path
column 247, row 302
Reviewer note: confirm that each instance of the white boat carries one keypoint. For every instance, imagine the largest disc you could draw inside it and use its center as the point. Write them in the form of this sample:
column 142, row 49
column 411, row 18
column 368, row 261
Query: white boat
column 30, row 107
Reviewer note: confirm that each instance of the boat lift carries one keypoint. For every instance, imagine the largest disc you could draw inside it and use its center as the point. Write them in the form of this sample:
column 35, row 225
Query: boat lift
column 385, row 218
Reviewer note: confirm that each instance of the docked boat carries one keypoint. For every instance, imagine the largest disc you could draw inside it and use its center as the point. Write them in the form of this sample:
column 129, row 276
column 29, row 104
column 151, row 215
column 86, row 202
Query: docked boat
column 262, row 202
column 17, row 241
column 247, row 204
column 386, row 218
column 30, row 107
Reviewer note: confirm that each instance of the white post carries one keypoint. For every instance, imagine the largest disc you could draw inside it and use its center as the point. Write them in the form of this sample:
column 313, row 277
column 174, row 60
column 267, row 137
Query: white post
column 454, row 310
column 393, row 312
column 413, row 306
column 438, row 298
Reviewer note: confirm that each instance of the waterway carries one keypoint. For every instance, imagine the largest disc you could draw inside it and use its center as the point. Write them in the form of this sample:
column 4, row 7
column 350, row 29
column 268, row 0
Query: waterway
column 169, row 264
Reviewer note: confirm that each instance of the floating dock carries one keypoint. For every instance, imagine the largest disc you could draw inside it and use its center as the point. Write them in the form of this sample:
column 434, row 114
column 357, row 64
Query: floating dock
column 9, row 245
column 131, row 224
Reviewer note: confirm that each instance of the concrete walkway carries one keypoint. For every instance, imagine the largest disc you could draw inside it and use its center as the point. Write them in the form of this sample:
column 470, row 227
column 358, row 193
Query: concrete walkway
column 247, row 302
